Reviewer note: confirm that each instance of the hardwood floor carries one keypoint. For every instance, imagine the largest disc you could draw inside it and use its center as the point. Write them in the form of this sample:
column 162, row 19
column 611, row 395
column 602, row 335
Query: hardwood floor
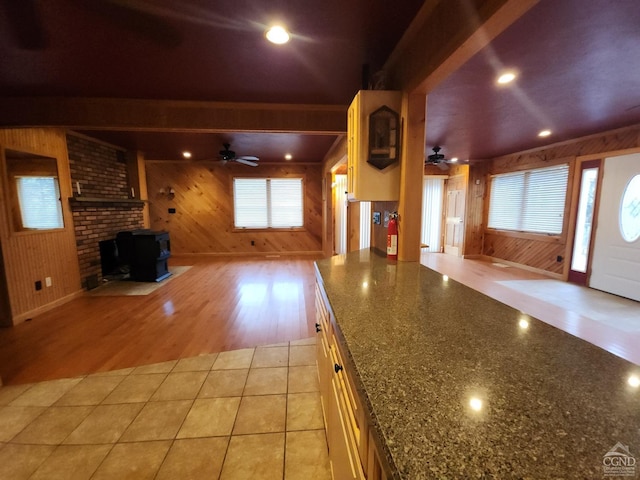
column 226, row 304
column 217, row 305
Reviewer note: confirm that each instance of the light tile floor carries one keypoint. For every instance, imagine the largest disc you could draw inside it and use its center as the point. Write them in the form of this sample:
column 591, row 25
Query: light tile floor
column 246, row 414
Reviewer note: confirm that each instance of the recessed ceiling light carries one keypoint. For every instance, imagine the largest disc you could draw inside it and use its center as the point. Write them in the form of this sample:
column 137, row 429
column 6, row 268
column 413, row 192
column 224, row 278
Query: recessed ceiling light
column 186, row 154
column 506, row 77
column 544, row 133
column 288, row 156
column 277, row 35
column 476, row 404
column 454, row 160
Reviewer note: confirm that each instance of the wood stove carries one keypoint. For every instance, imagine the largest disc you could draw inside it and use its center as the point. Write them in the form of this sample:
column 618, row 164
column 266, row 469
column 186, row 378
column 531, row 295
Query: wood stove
column 146, row 252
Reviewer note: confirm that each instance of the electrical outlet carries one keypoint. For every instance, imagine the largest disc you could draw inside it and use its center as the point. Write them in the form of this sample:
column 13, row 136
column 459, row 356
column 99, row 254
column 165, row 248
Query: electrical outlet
column 48, row 282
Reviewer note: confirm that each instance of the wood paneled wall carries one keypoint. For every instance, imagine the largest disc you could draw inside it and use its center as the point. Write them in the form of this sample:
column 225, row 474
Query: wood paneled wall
column 539, row 251
column 203, row 203
column 379, row 232
column 32, row 256
column 474, row 214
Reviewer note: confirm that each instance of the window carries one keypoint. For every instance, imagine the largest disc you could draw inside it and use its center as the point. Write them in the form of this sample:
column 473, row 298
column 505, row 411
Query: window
column 33, row 191
column 630, row 211
column 432, row 192
column 530, row 200
column 267, row 202
column 40, row 207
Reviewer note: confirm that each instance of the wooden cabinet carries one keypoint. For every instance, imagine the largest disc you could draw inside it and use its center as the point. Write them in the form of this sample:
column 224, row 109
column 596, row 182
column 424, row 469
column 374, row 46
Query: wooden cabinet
column 322, row 352
column 352, row 454
column 366, row 182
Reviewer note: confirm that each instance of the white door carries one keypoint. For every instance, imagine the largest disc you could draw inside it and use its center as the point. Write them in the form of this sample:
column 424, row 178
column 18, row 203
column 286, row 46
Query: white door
column 616, row 253
column 454, row 220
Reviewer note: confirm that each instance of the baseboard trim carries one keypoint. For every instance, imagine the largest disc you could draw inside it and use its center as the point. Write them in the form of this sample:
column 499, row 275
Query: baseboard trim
column 318, row 253
column 557, row 276
column 23, row 317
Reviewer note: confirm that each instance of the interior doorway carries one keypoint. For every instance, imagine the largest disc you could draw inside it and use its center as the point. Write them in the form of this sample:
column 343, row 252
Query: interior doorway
column 432, row 199
column 454, row 215
column 340, row 214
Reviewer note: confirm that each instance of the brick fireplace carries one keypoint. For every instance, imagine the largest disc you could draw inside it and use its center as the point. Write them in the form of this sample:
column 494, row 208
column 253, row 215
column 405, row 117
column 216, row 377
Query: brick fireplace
column 102, row 204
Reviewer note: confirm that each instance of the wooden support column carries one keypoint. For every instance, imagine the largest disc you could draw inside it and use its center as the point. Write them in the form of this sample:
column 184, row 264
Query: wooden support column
column 414, row 107
column 353, row 226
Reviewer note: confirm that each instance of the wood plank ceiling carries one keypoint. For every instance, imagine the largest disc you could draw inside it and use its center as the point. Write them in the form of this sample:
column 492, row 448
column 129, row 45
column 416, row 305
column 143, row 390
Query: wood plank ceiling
column 577, row 62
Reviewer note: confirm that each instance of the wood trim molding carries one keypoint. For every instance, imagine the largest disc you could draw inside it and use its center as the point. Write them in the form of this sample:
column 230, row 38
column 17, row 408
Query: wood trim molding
column 311, row 253
column 521, row 266
column 22, row 317
column 603, row 155
column 538, row 237
column 604, row 138
column 443, row 36
column 170, row 115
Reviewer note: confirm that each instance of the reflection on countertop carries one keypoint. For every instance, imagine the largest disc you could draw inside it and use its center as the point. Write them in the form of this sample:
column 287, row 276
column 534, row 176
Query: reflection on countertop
column 459, row 385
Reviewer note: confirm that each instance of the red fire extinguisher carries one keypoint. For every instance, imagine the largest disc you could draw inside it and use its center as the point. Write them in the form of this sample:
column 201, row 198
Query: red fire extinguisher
column 392, row 237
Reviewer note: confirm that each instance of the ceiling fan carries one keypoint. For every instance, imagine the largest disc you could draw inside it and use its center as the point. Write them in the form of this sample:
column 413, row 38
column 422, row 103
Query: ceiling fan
column 437, row 158
column 227, row 155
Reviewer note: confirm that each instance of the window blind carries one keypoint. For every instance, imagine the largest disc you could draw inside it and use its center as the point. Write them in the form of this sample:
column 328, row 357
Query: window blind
column 39, row 199
column 286, row 202
column 529, row 201
column 268, row 202
column 250, row 203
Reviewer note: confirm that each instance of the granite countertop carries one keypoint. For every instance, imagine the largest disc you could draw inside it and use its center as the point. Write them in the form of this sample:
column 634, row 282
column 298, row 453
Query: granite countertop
column 422, row 348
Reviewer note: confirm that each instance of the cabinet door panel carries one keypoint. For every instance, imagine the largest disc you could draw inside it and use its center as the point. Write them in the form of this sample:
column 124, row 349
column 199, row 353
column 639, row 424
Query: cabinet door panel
column 344, row 464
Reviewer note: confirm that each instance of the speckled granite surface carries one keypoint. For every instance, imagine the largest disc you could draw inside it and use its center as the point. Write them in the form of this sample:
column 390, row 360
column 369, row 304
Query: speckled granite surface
column 422, row 348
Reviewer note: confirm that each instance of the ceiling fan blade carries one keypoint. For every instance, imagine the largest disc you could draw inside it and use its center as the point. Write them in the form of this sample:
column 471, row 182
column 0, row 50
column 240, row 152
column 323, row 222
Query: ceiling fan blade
column 244, row 161
column 442, row 166
column 248, row 157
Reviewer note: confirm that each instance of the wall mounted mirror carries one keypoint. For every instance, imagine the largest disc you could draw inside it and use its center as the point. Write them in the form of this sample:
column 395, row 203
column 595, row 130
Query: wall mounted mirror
column 33, row 192
column 384, row 137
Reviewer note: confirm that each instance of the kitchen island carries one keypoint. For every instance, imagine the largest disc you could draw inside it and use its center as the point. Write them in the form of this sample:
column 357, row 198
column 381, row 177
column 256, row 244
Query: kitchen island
column 455, row 385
